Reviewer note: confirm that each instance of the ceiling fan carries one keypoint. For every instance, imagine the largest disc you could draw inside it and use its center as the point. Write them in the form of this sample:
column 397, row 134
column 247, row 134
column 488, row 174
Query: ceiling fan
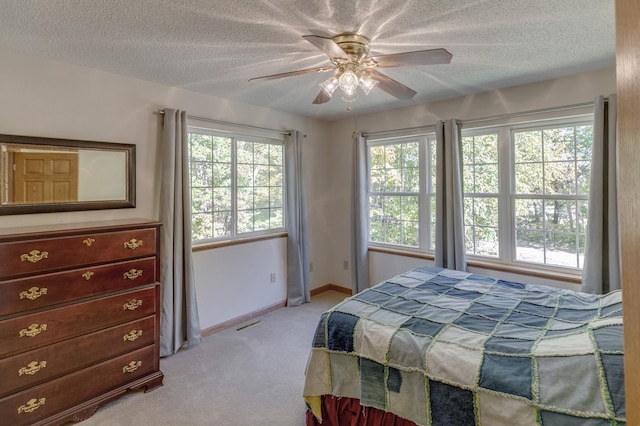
column 353, row 68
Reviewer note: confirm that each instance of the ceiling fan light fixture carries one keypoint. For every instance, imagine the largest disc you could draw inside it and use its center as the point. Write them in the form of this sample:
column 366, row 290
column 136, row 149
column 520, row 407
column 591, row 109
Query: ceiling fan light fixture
column 350, row 98
column 329, row 86
column 367, row 83
column 349, row 82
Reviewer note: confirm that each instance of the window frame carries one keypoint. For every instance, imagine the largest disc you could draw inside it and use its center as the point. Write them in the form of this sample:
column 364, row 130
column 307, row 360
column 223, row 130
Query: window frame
column 235, row 138
column 507, row 187
column 426, row 190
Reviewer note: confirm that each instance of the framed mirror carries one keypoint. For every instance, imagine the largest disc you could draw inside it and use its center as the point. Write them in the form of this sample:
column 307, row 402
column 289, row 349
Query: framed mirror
column 41, row 175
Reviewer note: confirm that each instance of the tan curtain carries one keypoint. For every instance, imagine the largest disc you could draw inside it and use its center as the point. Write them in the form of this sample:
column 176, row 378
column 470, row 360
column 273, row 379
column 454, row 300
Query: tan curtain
column 179, row 321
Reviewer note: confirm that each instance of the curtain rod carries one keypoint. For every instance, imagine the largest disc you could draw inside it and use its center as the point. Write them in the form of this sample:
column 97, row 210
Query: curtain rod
column 489, row 118
column 526, row 113
column 244, row 126
column 407, row 129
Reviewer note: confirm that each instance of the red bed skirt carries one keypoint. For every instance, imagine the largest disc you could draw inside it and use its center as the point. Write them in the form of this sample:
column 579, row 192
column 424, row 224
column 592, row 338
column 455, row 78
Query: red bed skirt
column 348, row 412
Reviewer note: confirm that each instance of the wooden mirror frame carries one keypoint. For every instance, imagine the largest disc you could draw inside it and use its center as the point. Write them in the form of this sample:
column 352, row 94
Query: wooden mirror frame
column 130, row 168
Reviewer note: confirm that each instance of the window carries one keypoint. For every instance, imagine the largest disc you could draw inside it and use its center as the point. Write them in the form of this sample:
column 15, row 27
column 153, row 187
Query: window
column 551, row 186
column 402, row 192
column 481, row 188
column 526, row 191
column 237, row 185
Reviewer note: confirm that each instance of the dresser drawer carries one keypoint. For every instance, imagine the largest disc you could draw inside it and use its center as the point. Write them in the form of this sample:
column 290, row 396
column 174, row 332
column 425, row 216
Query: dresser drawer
column 39, row 402
column 42, row 328
column 24, row 294
column 39, row 365
column 27, row 257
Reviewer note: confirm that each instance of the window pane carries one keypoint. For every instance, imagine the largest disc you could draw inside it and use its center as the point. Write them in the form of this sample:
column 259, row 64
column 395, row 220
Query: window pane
column 221, row 224
column 561, row 249
column 257, row 186
column 486, row 149
column 201, row 226
column 222, row 150
column 481, row 225
column 561, row 216
column 584, row 141
column 200, row 147
column 411, row 179
column 244, row 152
column 245, row 198
column 201, row 174
column 275, row 154
column 529, row 178
column 558, row 144
column 559, row 177
column 527, row 146
column 486, row 177
column 530, row 246
column 529, row 214
column 222, row 199
column 201, row 200
column 222, row 174
column 486, row 241
column 583, row 175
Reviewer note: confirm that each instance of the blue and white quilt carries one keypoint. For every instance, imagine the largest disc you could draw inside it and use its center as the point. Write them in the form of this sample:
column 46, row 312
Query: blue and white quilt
column 443, row 347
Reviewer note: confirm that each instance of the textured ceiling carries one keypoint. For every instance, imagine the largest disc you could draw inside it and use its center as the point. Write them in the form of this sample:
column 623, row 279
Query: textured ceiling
column 214, row 47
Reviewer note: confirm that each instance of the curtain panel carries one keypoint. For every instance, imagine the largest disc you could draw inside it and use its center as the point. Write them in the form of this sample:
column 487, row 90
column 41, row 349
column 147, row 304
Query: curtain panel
column 601, row 271
column 450, row 249
column 359, row 219
column 298, row 284
column 179, row 321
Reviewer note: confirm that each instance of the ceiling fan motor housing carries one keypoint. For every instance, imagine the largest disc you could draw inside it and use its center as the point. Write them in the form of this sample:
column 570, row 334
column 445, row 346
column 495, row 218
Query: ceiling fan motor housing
column 354, row 45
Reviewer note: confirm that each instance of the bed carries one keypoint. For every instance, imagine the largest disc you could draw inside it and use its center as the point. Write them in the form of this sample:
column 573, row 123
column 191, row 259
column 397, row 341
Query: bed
column 435, row 346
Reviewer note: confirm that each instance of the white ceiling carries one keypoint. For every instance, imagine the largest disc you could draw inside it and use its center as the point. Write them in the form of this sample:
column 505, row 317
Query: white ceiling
column 214, row 46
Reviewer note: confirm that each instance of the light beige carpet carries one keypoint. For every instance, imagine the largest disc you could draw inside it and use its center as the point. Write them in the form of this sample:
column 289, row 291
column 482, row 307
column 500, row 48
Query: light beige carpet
column 254, row 376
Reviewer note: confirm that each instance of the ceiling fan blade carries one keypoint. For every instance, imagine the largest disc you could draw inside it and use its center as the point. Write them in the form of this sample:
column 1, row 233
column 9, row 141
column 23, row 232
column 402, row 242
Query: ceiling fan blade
column 292, row 73
column 391, row 86
column 419, row 57
column 321, row 98
column 327, row 45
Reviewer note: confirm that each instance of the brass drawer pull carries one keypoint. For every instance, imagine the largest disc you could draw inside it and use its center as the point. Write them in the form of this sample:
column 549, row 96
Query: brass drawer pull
column 87, row 275
column 132, row 274
column 33, row 293
column 89, row 241
column 132, row 244
column 31, row 406
column 33, row 330
column 132, row 305
column 34, row 256
column 132, row 335
column 32, row 368
column 133, row 366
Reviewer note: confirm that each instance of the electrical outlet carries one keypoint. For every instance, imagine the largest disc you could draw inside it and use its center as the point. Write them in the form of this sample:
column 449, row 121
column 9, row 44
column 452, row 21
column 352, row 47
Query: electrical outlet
column 345, row 265
column 273, row 277
column 310, row 266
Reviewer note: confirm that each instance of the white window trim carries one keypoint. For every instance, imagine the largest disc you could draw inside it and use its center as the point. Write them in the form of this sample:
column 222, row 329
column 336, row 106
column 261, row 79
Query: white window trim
column 424, row 228
column 507, row 196
column 259, row 137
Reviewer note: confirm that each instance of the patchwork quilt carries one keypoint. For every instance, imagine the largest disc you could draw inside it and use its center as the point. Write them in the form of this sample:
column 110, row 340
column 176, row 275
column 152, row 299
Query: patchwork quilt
column 443, row 347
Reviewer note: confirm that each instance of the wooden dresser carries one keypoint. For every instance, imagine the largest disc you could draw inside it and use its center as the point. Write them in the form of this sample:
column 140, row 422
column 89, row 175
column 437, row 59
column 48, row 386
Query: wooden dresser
column 79, row 318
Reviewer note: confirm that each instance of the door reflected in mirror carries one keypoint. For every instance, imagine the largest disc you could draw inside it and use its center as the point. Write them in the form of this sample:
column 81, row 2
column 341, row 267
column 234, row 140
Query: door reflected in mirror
column 44, row 175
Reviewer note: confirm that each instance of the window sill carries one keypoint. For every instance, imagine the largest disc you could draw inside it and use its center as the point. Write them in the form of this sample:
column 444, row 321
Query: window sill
column 405, row 253
column 549, row 275
column 538, row 273
column 237, row 241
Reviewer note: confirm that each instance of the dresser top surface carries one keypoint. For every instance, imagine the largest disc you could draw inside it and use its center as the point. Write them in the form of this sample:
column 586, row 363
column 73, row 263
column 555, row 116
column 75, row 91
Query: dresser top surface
column 105, row 225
